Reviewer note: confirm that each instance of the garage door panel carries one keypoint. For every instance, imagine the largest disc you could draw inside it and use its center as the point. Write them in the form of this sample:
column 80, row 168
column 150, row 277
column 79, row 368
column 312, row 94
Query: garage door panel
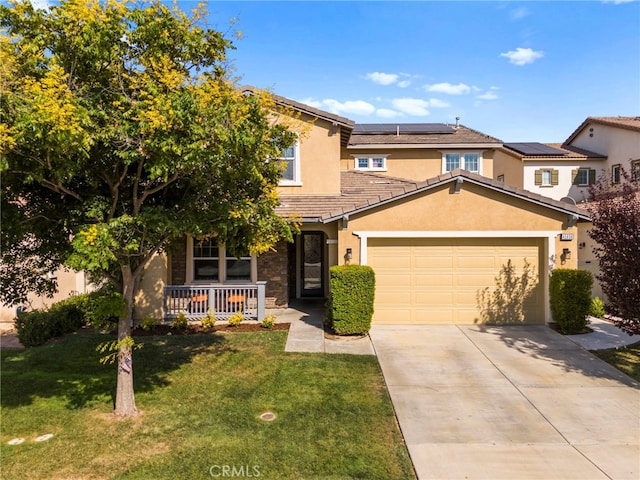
column 434, row 280
column 433, row 261
column 439, row 280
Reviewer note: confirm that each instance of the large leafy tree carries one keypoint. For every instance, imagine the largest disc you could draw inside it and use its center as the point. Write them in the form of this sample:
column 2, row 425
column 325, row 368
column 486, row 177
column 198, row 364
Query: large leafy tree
column 615, row 208
column 120, row 131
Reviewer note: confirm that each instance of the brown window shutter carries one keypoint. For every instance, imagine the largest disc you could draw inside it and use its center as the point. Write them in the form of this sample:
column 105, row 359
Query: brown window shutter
column 592, row 176
column 574, row 176
column 538, row 177
column 554, row 177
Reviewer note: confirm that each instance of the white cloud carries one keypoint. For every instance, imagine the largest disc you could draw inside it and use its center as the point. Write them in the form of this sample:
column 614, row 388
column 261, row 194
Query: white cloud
column 404, row 83
column 488, row 96
column 387, row 113
column 382, row 78
column 523, row 56
column 437, row 103
column 449, row 88
column 411, row 106
column 618, row 2
column 356, row 107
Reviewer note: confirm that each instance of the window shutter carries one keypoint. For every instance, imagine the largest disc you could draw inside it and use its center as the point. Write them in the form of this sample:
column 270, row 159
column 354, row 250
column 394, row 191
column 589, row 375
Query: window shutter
column 554, row 177
column 592, row 176
column 574, row 176
column 538, row 177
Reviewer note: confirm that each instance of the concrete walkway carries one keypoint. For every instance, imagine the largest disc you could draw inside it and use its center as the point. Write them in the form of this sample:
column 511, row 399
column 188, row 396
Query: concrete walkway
column 306, row 333
column 508, row 403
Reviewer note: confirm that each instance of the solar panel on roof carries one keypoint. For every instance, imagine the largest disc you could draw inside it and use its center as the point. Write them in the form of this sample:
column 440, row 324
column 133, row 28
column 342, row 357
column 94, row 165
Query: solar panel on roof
column 402, row 128
column 534, row 148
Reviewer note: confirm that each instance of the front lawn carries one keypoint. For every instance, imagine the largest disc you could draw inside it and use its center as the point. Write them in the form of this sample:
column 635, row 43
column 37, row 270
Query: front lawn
column 625, row 359
column 201, row 397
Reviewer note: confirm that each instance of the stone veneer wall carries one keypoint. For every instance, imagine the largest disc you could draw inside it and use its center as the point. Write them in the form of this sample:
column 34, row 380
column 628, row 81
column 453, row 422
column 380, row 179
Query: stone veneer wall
column 273, row 268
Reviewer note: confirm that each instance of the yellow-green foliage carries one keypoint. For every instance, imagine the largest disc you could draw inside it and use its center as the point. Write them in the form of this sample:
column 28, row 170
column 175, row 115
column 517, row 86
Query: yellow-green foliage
column 180, row 321
column 209, row 321
column 236, row 318
column 148, row 322
column 268, row 321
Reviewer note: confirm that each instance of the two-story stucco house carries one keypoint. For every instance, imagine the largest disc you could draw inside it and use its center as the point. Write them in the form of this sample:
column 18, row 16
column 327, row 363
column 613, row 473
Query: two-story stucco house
column 553, row 170
column 417, row 202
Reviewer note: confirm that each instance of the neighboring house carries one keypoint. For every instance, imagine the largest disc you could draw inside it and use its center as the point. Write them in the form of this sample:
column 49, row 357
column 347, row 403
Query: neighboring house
column 417, row 202
column 69, row 283
column 553, row 170
column 617, row 139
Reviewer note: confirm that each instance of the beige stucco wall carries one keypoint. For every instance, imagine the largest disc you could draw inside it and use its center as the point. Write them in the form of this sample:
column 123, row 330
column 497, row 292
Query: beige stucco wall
column 565, row 187
column 509, row 166
column 473, row 209
column 413, row 163
column 149, row 297
column 319, row 160
column 618, row 144
column 69, row 283
column 587, row 259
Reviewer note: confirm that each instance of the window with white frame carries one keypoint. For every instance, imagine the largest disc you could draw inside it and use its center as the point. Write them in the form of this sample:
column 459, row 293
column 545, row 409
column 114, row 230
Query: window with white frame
column 546, row 177
column 378, row 162
column 471, row 161
column 291, row 163
column 213, row 263
column 615, row 173
column 584, row 176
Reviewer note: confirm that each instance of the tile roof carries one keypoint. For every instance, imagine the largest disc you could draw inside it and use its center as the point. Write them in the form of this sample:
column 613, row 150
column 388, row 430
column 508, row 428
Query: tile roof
column 460, row 135
column 627, row 123
column 361, row 191
column 569, row 153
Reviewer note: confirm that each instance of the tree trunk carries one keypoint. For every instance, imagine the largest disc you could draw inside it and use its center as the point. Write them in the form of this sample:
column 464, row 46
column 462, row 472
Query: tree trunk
column 125, row 398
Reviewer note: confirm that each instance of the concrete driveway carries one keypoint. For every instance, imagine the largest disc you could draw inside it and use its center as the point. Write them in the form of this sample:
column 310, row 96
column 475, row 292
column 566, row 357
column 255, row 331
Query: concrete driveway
column 508, row 403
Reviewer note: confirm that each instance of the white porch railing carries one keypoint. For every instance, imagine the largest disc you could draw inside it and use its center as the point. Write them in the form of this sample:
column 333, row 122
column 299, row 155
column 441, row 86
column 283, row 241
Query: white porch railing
column 195, row 301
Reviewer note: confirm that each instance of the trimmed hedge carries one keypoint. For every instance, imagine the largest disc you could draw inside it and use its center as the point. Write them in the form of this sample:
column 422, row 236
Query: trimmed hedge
column 570, row 297
column 99, row 308
column 38, row 326
column 350, row 306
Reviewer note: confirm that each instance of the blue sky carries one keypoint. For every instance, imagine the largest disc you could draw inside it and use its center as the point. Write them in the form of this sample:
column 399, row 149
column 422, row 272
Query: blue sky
column 519, row 71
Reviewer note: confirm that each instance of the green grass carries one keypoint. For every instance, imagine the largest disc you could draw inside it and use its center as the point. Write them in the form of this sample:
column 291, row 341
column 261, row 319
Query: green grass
column 200, row 398
column 625, row 359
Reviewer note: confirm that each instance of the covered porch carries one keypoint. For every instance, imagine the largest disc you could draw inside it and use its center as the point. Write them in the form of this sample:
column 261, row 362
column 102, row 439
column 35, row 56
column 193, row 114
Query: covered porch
column 222, row 301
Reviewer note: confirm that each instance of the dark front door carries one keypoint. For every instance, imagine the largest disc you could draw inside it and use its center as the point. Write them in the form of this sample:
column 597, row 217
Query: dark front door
column 312, row 264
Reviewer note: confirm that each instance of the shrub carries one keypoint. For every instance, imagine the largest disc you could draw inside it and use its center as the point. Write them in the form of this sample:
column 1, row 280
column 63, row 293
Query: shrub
column 350, row 306
column 34, row 327
column 148, row 323
column 570, row 297
column 268, row 322
column 597, row 308
column 180, row 322
column 209, row 320
column 236, row 318
column 38, row 326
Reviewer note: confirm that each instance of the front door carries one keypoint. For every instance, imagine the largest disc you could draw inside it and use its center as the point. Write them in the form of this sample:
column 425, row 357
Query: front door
column 312, row 264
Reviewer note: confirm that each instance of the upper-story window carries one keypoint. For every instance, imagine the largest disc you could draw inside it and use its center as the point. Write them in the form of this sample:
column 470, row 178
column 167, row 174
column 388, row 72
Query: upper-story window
column 213, row 263
column 467, row 161
column 635, row 170
column 371, row 163
column 546, row 177
column 291, row 160
column 615, row 173
column 584, row 176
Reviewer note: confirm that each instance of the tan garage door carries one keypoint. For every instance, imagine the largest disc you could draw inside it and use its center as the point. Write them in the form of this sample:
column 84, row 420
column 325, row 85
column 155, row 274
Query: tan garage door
column 433, row 281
